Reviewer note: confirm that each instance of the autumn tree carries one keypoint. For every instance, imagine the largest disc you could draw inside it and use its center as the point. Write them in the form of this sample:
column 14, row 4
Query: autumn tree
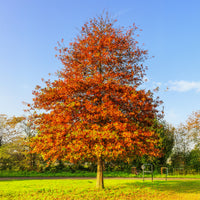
column 96, row 110
column 193, row 127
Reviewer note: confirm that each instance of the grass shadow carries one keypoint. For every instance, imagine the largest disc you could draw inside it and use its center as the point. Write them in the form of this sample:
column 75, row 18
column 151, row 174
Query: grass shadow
column 178, row 186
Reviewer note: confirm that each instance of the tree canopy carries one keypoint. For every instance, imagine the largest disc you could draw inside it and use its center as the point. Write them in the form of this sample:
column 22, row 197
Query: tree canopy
column 96, row 110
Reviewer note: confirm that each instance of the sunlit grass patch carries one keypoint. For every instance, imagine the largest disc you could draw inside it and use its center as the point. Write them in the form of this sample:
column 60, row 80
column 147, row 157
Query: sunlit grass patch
column 114, row 189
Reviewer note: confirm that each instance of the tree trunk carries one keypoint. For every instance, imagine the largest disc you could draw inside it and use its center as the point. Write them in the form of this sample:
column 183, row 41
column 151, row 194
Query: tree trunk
column 100, row 184
column 1, row 138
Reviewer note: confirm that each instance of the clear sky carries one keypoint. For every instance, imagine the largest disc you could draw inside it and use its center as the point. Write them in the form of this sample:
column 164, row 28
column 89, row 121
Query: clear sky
column 30, row 29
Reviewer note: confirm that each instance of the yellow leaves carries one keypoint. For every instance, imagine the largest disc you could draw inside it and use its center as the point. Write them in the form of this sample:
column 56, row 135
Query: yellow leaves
column 12, row 122
column 71, row 105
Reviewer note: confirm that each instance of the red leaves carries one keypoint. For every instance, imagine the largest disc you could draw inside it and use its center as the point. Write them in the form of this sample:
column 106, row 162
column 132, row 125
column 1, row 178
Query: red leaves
column 95, row 108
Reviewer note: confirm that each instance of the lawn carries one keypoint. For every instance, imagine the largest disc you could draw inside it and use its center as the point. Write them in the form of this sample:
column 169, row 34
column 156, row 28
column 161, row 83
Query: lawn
column 114, row 189
column 80, row 173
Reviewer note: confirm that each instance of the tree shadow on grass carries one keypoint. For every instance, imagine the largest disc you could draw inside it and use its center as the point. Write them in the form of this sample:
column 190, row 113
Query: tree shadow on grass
column 180, row 186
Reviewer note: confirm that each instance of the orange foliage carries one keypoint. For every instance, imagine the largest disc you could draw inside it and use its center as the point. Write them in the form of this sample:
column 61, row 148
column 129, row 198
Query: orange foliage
column 95, row 108
column 194, row 120
column 193, row 126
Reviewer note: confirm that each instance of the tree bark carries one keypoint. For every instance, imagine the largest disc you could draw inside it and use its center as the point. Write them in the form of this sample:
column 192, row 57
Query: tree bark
column 1, row 138
column 100, row 183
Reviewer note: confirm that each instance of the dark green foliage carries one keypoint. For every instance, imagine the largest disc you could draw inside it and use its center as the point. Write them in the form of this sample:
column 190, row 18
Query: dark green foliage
column 167, row 138
column 193, row 159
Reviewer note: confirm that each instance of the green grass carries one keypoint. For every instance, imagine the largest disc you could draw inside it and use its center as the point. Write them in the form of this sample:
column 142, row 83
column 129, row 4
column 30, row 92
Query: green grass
column 85, row 189
column 46, row 174
column 63, row 174
column 83, row 174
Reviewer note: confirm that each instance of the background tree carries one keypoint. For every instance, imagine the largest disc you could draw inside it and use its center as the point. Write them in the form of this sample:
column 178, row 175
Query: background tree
column 193, row 127
column 167, row 135
column 186, row 150
column 32, row 160
column 12, row 147
column 15, row 152
column 193, row 160
column 95, row 110
column 182, row 147
column 2, row 127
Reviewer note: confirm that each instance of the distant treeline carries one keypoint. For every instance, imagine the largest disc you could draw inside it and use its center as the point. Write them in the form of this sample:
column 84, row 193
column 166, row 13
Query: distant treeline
column 178, row 151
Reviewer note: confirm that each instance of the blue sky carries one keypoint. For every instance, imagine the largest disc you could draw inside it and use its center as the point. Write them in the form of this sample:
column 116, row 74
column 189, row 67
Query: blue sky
column 29, row 31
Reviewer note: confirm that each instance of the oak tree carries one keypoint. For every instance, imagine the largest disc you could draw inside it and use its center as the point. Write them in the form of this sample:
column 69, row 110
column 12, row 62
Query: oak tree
column 96, row 110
